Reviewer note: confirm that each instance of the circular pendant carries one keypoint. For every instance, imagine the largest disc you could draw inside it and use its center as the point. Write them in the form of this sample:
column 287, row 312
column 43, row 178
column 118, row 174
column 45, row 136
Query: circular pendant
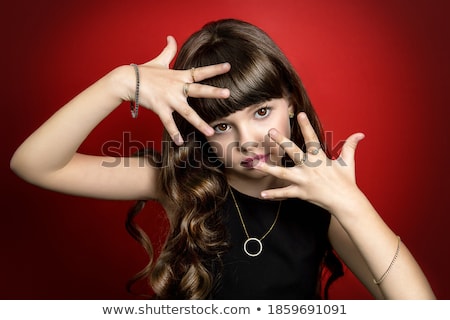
column 254, row 251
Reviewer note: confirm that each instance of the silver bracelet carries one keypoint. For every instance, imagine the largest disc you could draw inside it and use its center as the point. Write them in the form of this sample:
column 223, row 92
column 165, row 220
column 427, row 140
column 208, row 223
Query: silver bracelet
column 378, row 282
column 134, row 105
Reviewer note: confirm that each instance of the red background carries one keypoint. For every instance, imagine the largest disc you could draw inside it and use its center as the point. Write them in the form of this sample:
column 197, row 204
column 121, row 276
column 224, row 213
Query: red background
column 380, row 67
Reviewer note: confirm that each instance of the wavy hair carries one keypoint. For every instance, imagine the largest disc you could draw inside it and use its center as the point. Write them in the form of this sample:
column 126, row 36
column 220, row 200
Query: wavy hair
column 193, row 183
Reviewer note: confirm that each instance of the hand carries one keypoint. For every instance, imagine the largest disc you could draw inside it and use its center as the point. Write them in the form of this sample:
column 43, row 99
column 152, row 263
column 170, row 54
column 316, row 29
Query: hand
column 315, row 177
column 161, row 90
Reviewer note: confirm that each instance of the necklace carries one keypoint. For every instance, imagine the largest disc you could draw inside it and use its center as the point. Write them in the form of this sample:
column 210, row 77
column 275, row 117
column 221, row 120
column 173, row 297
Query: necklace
column 253, row 239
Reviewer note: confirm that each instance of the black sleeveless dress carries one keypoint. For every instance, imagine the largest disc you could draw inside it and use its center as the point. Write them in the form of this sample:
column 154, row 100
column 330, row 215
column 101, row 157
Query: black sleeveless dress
column 289, row 264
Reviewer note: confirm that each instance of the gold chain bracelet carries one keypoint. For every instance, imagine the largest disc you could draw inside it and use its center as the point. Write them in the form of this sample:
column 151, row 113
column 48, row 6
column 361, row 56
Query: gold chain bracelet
column 378, row 282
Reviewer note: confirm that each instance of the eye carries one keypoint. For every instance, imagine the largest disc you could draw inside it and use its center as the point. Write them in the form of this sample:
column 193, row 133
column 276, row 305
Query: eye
column 221, row 127
column 262, row 112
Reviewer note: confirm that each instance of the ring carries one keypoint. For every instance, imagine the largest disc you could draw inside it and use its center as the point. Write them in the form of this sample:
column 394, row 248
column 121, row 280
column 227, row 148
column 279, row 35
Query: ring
column 186, row 89
column 192, row 74
column 301, row 161
column 314, row 151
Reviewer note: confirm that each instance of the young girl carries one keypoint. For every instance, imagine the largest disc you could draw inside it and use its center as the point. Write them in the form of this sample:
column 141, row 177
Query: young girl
column 257, row 207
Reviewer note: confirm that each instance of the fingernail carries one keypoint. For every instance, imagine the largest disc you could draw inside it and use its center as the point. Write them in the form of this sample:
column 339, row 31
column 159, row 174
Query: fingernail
column 263, row 195
column 178, row 139
column 209, row 131
column 225, row 93
column 273, row 133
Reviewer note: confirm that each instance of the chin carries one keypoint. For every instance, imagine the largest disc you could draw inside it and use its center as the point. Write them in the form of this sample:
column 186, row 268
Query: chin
column 253, row 173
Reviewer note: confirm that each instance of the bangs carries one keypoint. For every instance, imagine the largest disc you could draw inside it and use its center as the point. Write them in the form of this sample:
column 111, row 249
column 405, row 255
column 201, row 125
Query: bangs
column 253, row 79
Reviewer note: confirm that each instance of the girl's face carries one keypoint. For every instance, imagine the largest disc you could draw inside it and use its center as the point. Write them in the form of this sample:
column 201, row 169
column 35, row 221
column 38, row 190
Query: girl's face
column 240, row 140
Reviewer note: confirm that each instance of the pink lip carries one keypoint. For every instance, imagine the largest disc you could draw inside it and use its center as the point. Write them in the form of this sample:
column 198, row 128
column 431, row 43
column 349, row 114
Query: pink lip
column 252, row 161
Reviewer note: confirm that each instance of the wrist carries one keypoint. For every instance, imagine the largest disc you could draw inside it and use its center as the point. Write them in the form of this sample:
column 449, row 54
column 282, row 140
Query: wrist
column 122, row 81
column 351, row 207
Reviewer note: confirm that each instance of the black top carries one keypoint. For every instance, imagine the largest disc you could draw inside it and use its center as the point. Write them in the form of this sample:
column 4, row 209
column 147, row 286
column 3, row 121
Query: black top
column 288, row 266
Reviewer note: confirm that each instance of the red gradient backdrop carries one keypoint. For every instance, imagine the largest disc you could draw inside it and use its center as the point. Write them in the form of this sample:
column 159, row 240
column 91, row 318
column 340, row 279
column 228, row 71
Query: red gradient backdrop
column 380, row 67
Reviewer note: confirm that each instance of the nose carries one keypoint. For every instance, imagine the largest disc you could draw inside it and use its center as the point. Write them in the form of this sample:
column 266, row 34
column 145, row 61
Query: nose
column 249, row 139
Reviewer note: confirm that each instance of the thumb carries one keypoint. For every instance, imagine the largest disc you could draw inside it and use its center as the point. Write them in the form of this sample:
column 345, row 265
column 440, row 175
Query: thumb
column 349, row 147
column 167, row 54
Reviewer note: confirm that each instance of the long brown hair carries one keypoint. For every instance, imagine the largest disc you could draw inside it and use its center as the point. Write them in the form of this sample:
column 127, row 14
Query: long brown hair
column 193, row 182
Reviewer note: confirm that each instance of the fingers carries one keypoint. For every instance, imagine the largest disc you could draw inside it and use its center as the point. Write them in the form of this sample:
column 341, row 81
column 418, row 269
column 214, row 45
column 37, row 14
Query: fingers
column 167, row 54
column 313, row 173
column 197, row 90
column 181, row 82
column 291, row 149
column 202, row 73
column 279, row 193
column 286, row 174
column 349, row 147
column 172, row 129
column 191, row 116
column 312, row 142
column 205, row 91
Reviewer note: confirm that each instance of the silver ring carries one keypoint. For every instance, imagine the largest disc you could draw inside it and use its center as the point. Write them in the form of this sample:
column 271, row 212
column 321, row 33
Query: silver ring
column 186, row 89
column 192, row 74
column 314, row 151
column 301, row 161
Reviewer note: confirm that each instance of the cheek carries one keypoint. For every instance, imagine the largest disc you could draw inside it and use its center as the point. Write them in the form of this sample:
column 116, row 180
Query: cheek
column 216, row 148
column 284, row 126
column 221, row 149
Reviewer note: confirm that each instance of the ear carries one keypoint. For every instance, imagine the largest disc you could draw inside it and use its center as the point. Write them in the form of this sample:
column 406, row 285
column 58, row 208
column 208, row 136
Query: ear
column 291, row 111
